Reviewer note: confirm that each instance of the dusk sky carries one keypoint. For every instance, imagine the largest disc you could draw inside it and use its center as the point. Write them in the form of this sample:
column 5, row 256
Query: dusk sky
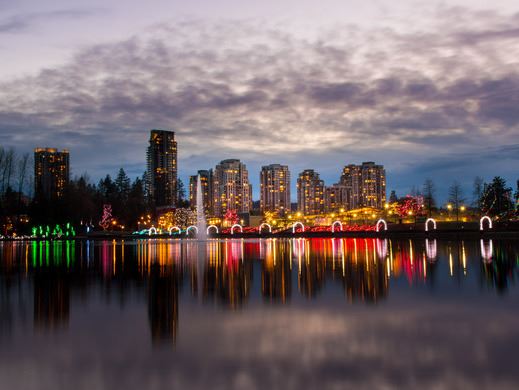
column 428, row 89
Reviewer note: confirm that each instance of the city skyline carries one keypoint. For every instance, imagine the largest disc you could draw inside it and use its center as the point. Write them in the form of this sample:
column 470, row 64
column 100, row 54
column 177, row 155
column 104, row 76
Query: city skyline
column 308, row 86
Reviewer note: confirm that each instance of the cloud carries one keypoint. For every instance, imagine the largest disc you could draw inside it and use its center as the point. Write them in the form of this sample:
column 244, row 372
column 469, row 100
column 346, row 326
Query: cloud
column 23, row 22
column 259, row 93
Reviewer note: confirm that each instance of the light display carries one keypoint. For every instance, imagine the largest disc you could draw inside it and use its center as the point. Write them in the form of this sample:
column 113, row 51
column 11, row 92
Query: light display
column 107, row 218
column 231, row 217
column 381, row 221
column 336, row 223
column 482, row 220
column 427, row 224
column 236, row 225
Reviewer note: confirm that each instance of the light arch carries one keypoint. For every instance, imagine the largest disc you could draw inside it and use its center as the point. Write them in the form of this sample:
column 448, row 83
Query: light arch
column 191, row 227
column 427, row 224
column 381, row 221
column 236, row 225
column 482, row 220
column 264, row 224
column 298, row 223
column 152, row 231
column 210, row 227
column 336, row 223
column 170, row 229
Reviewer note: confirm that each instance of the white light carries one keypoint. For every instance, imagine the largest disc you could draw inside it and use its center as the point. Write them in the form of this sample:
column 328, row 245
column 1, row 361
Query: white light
column 379, row 222
column 335, row 223
column 485, row 217
column 297, row 224
column 427, row 224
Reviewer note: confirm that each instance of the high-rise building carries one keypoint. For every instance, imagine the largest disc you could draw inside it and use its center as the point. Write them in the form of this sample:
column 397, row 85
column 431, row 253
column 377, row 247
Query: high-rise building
column 336, row 197
column 161, row 175
column 366, row 185
column 275, row 188
column 351, row 180
column 231, row 188
column 310, row 192
column 206, row 179
column 51, row 172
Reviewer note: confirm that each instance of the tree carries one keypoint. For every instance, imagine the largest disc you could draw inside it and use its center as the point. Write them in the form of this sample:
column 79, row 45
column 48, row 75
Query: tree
column 477, row 192
column 456, row 197
column 181, row 195
column 429, row 190
column 496, row 200
column 122, row 185
column 230, row 217
column 392, row 197
column 517, row 198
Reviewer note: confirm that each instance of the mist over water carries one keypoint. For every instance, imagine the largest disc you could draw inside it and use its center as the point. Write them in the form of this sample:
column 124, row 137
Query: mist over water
column 262, row 313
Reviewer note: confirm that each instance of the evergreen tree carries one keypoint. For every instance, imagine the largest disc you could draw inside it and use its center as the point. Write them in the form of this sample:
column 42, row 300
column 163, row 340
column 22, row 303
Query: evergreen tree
column 497, row 198
column 392, row 197
column 122, row 185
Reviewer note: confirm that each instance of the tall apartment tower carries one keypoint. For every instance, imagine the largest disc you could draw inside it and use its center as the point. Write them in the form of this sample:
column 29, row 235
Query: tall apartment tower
column 336, row 197
column 161, row 175
column 206, row 179
column 231, row 188
column 51, row 172
column 366, row 185
column 373, row 185
column 275, row 188
column 310, row 192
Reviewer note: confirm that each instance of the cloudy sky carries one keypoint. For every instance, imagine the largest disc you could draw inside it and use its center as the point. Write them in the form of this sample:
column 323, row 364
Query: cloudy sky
column 429, row 89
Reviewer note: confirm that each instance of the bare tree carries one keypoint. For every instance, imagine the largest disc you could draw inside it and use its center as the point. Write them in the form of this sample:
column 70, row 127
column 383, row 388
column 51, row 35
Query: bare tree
column 6, row 168
column 429, row 190
column 22, row 176
column 456, row 197
column 477, row 192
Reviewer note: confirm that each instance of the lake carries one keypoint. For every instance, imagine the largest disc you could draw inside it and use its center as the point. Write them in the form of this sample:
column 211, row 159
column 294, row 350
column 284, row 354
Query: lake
column 261, row 313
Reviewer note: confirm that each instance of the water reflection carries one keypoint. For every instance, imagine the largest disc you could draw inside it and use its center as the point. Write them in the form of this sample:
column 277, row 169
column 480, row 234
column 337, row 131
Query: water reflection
column 222, row 273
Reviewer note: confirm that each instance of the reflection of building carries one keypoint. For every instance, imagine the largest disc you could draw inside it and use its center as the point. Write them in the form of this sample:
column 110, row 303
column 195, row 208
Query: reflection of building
column 365, row 184
column 310, row 192
column 161, row 175
column 336, row 198
column 206, row 178
column 51, row 299
column 163, row 302
column 275, row 188
column 227, row 279
column 276, row 274
column 51, row 172
column 231, row 188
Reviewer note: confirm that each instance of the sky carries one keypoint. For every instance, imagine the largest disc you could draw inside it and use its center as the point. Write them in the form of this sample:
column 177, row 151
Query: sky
column 428, row 89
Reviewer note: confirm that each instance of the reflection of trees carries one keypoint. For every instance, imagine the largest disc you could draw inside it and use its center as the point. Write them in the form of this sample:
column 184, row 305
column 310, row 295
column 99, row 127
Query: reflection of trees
column 164, row 283
column 51, row 298
column 499, row 272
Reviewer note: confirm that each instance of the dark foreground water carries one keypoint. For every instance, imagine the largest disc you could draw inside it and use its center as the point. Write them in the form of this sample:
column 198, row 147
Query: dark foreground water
column 259, row 314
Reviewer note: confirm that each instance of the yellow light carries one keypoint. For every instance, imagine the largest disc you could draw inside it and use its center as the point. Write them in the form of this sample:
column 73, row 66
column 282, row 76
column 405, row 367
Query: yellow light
column 354, row 215
column 449, row 206
column 298, row 214
column 342, row 210
column 386, row 206
column 462, row 208
column 410, row 213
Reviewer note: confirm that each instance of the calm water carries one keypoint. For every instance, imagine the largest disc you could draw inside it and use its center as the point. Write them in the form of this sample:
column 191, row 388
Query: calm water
column 291, row 314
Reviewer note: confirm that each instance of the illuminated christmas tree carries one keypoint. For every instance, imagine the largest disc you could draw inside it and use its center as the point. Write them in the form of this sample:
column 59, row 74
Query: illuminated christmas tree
column 230, row 217
column 106, row 219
